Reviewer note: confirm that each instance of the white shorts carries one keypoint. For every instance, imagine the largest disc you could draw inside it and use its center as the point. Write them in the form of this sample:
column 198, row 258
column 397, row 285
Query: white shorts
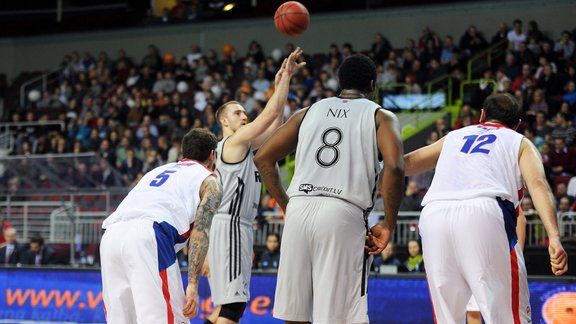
column 472, row 305
column 141, row 280
column 469, row 248
column 323, row 272
column 230, row 260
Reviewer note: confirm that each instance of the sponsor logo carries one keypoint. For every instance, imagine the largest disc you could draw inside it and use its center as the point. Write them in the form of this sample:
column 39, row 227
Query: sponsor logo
column 307, row 188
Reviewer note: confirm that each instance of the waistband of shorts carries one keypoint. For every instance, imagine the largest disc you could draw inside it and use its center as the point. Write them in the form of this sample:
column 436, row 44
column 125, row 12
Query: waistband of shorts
column 227, row 217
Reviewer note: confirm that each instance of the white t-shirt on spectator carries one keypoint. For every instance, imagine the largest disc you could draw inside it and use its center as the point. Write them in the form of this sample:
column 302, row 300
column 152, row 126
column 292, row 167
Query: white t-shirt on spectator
column 516, row 39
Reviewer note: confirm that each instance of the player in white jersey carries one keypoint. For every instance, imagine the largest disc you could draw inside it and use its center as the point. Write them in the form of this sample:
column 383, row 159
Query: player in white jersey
column 231, row 236
column 469, row 216
column 324, row 258
column 171, row 204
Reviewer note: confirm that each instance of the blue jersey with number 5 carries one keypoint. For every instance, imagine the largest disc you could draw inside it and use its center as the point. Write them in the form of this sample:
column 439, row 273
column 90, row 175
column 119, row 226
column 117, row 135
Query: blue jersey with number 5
column 478, row 161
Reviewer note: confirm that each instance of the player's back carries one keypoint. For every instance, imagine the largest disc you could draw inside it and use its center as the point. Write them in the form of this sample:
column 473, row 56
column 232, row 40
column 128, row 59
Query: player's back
column 169, row 193
column 478, row 161
column 337, row 153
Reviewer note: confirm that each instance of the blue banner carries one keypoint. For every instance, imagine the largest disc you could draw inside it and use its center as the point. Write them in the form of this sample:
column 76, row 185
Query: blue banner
column 75, row 296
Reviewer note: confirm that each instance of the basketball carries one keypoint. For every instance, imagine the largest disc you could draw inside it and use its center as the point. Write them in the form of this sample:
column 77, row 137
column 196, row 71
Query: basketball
column 291, row 18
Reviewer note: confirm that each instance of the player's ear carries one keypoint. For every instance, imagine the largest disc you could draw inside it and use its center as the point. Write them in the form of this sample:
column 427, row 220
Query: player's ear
column 372, row 85
column 482, row 115
column 518, row 124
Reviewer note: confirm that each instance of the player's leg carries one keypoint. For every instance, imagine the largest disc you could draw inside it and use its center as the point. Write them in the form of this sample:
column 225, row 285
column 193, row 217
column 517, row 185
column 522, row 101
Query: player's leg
column 116, row 292
column 340, row 265
column 213, row 316
column 155, row 277
column 293, row 299
column 233, row 311
column 496, row 274
column 448, row 289
column 473, row 315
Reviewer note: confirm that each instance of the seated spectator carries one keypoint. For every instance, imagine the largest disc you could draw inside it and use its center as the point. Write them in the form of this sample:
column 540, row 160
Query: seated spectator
column 271, row 256
column 38, row 253
column 415, row 261
column 564, row 129
column 570, row 95
column 465, row 112
column 412, row 198
column 525, row 80
column 472, row 41
column 11, row 250
column 387, row 259
column 516, row 35
column 564, row 47
column 538, row 103
column 571, row 189
column 131, row 166
column 562, row 159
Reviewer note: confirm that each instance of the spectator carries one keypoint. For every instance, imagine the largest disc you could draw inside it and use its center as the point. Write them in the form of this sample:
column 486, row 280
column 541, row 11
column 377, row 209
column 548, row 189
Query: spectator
column 271, row 256
column 465, row 112
column 131, row 166
column 380, row 48
column 415, row 262
column 563, row 129
column 511, row 68
column 38, row 253
column 472, row 41
column 412, row 198
column 11, row 250
column 386, row 260
column 516, row 35
column 524, row 81
column 525, row 55
column 570, row 95
column 540, row 125
column 538, row 103
column 562, row 158
column 448, row 50
column 501, row 34
column 564, row 47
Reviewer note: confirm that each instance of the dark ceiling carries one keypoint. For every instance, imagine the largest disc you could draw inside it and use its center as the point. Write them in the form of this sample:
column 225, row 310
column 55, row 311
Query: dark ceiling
column 39, row 17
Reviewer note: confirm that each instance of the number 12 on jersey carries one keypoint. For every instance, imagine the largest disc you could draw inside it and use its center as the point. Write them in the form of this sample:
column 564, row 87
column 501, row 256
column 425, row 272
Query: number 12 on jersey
column 474, row 143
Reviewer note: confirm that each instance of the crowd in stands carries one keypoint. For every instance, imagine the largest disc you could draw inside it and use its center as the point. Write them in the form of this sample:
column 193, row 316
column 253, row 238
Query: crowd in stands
column 132, row 109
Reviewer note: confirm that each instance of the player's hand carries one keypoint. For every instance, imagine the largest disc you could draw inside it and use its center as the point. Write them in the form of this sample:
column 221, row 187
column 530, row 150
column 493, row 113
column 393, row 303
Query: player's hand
column 558, row 257
column 206, row 268
column 191, row 307
column 377, row 239
column 289, row 66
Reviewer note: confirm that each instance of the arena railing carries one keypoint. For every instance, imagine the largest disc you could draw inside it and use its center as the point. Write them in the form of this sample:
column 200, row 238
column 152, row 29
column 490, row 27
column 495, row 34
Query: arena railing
column 485, row 58
column 40, row 82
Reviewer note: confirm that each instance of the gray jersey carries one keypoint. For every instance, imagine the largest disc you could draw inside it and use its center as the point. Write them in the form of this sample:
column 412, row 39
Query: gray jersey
column 337, row 153
column 241, row 184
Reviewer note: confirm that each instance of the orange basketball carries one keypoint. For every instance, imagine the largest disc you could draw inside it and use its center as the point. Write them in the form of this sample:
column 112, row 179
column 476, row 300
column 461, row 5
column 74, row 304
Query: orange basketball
column 291, row 18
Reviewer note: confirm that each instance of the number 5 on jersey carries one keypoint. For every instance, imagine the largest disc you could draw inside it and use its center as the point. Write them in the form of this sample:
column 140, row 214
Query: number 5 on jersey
column 161, row 178
column 474, row 143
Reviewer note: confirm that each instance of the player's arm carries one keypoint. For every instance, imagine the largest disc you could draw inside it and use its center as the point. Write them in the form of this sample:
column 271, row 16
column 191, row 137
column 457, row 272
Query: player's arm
column 256, row 132
column 423, row 159
column 210, row 195
column 532, row 171
column 392, row 178
column 521, row 229
column 282, row 142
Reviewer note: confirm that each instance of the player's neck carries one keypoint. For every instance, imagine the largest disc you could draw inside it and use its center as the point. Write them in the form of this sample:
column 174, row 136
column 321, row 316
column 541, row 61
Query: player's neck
column 351, row 94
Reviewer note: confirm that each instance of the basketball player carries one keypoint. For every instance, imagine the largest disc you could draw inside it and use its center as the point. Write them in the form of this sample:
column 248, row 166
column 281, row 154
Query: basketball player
column 323, row 262
column 469, row 216
column 171, row 204
column 231, row 237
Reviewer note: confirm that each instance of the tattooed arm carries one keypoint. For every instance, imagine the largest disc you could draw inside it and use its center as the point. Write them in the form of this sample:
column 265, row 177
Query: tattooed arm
column 211, row 195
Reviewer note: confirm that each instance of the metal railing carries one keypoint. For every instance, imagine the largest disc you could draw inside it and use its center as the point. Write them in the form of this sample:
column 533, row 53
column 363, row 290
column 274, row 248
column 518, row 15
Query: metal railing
column 7, row 137
column 485, row 58
column 40, row 82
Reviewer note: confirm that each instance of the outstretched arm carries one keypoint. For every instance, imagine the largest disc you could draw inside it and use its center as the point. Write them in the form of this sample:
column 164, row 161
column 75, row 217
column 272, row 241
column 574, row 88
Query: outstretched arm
column 211, row 195
column 281, row 143
column 392, row 180
column 255, row 133
column 532, row 171
column 423, row 159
